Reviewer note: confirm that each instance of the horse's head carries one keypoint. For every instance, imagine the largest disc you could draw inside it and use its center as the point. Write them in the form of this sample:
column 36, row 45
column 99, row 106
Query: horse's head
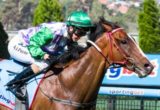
column 121, row 49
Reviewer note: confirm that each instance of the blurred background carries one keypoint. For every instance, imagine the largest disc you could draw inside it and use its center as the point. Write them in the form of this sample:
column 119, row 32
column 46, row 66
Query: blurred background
column 19, row 14
column 140, row 18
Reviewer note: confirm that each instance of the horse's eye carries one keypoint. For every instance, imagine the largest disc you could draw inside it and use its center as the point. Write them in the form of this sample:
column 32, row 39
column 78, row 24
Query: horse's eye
column 123, row 41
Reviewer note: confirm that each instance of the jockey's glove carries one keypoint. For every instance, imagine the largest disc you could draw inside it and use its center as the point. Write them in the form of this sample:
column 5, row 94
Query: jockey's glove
column 52, row 60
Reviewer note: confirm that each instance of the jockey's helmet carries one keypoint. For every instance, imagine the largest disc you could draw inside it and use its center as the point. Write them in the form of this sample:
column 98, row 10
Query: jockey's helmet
column 79, row 19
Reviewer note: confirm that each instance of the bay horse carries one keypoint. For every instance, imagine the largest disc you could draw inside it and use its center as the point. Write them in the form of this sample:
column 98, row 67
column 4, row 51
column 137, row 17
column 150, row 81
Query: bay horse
column 77, row 86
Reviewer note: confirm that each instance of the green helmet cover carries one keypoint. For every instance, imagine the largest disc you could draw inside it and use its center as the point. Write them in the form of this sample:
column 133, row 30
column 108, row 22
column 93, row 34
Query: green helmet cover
column 79, row 19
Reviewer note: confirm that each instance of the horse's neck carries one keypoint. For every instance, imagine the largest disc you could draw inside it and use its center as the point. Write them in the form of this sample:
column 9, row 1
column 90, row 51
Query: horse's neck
column 84, row 69
column 80, row 81
column 84, row 76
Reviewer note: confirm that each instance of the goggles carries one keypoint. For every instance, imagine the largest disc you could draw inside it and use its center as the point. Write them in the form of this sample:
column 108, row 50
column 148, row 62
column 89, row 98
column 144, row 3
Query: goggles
column 80, row 32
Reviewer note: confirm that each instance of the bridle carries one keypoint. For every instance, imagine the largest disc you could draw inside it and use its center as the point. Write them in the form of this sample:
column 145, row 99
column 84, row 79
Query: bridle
column 114, row 64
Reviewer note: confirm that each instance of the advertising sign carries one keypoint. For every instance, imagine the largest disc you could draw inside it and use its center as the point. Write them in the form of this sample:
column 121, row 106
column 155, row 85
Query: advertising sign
column 139, row 92
column 127, row 83
column 122, row 76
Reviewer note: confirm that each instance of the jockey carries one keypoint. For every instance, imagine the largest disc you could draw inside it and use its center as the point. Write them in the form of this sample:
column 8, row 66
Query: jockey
column 30, row 45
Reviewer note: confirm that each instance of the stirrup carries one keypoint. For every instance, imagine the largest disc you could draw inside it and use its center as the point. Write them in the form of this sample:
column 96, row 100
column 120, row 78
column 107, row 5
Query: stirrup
column 17, row 91
column 18, row 94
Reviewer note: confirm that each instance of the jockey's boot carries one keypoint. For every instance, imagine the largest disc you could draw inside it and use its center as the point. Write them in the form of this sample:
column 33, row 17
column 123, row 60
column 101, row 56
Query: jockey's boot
column 18, row 92
column 16, row 84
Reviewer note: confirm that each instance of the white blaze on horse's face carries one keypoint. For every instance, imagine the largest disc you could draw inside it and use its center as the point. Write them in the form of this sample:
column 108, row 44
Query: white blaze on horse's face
column 136, row 44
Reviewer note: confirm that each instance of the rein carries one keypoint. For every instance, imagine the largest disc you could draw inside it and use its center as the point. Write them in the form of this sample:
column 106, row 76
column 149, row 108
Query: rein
column 109, row 35
column 99, row 50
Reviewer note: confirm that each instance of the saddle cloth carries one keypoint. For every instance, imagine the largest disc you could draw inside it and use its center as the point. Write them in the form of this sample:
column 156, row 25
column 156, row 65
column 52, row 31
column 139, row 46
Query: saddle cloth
column 8, row 70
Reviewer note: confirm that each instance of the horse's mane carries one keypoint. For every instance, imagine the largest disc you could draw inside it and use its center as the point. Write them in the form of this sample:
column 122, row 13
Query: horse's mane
column 98, row 28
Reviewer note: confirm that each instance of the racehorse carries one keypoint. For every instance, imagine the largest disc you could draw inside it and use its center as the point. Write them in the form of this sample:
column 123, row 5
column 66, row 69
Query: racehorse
column 76, row 86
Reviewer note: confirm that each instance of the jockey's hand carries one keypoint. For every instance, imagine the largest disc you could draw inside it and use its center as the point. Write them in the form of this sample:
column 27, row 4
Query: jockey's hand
column 46, row 56
column 52, row 59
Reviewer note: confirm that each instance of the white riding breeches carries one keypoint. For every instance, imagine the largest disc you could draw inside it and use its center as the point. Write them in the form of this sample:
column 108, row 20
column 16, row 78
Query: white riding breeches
column 20, row 53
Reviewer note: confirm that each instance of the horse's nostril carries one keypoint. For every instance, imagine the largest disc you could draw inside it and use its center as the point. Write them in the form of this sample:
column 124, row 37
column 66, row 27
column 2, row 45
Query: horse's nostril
column 146, row 65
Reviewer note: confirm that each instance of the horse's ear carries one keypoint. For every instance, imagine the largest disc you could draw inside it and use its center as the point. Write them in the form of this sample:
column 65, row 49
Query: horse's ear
column 102, row 19
column 105, row 23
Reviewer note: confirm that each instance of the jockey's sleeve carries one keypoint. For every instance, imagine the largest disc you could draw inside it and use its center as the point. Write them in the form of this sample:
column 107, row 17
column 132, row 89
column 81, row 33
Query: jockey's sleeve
column 41, row 38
